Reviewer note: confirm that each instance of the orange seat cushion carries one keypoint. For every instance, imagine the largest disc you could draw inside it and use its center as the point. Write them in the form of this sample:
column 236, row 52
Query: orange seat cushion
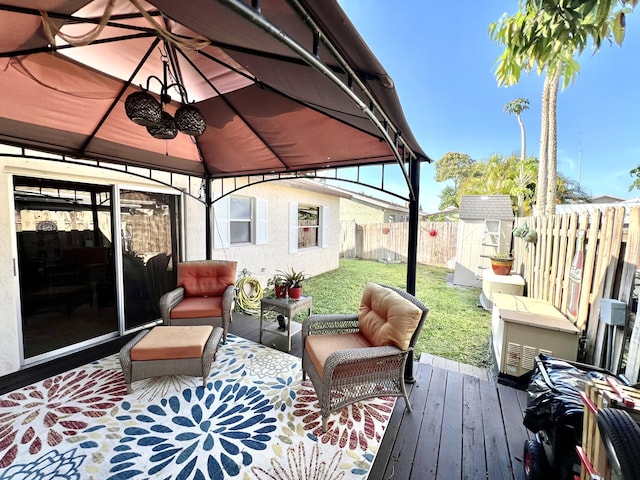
column 163, row 343
column 198, row 307
column 385, row 318
column 206, row 278
column 319, row 347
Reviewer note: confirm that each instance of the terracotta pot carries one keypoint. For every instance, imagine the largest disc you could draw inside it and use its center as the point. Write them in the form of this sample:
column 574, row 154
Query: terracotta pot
column 295, row 293
column 280, row 291
column 501, row 266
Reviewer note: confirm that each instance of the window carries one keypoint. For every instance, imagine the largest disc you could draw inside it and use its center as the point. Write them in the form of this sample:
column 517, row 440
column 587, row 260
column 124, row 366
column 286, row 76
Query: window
column 240, row 220
column 308, row 226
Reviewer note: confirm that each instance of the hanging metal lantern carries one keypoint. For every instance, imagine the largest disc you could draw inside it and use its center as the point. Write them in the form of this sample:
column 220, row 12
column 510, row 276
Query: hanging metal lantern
column 165, row 130
column 190, row 121
column 143, row 109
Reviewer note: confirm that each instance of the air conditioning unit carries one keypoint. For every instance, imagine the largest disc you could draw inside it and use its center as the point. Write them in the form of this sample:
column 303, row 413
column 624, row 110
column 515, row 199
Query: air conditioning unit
column 523, row 327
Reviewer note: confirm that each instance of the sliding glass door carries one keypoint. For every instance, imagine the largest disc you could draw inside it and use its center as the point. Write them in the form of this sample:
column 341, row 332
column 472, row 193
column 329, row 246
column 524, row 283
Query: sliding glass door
column 69, row 241
column 66, row 261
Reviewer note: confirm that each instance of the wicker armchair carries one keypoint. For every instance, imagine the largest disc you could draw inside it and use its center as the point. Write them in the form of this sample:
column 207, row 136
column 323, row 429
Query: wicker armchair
column 204, row 296
column 354, row 357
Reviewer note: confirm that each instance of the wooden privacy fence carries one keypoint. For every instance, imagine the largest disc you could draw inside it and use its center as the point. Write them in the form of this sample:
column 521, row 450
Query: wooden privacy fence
column 389, row 241
column 610, row 261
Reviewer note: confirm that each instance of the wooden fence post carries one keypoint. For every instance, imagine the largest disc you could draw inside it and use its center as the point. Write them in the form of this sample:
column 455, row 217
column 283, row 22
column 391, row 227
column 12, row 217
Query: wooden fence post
column 631, row 258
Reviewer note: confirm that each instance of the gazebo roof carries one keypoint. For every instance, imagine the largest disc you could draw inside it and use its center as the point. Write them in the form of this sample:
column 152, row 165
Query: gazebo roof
column 290, row 87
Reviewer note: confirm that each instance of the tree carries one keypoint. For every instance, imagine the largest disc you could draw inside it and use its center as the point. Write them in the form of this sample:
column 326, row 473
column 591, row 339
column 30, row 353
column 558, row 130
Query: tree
column 453, row 166
column 510, row 176
column 636, row 183
column 448, row 198
column 516, row 107
column 547, row 35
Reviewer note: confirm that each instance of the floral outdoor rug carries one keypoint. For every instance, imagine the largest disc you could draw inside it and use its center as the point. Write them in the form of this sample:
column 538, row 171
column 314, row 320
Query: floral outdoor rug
column 256, row 419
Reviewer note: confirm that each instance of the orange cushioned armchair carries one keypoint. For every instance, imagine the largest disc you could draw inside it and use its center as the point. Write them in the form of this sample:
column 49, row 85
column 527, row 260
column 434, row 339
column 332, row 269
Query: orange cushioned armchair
column 204, row 296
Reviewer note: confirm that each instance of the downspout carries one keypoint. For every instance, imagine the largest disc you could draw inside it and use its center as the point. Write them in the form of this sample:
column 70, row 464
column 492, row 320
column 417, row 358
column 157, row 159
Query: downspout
column 412, row 250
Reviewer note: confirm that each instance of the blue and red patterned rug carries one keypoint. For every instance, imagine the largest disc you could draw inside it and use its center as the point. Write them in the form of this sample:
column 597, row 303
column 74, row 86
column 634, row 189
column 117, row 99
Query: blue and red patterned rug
column 256, row 419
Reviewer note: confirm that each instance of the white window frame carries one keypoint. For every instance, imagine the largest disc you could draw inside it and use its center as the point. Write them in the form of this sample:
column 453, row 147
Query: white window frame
column 323, row 226
column 222, row 223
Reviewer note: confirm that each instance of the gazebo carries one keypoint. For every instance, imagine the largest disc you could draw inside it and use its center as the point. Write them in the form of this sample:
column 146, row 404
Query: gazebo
column 280, row 89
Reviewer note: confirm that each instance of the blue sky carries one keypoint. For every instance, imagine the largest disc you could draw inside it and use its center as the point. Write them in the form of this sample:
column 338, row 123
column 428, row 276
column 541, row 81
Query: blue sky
column 442, row 61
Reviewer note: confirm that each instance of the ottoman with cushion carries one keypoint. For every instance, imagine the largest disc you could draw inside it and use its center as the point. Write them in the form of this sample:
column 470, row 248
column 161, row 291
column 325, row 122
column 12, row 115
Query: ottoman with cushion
column 178, row 350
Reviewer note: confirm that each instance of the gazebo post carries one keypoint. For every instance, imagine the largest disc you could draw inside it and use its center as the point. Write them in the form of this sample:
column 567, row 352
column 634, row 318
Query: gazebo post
column 412, row 250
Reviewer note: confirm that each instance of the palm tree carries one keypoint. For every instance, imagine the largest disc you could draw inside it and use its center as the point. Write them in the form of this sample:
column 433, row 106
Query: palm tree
column 516, row 107
column 513, row 177
column 547, row 35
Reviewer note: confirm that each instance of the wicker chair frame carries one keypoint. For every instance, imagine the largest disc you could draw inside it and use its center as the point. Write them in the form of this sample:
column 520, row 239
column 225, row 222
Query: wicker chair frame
column 357, row 374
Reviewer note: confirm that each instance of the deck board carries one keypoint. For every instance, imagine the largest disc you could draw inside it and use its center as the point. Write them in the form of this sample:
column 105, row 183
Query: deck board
column 450, row 455
column 403, row 453
column 474, row 464
column 463, row 424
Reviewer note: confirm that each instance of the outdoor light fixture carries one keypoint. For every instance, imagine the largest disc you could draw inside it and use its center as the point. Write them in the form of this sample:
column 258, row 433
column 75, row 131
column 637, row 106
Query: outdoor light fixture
column 143, row 109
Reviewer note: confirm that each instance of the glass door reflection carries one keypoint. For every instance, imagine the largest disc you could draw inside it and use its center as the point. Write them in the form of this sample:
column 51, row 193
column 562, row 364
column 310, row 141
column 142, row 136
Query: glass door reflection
column 65, row 260
column 149, row 229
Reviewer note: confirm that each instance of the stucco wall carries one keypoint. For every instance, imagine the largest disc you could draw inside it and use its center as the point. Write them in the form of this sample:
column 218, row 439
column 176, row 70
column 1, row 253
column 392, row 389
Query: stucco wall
column 9, row 327
column 262, row 261
column 361, row 213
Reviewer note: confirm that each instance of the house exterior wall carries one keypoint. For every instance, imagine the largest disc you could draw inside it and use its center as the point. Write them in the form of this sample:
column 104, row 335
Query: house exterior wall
column 365, row 213
column 263, row 260
column 361, row 213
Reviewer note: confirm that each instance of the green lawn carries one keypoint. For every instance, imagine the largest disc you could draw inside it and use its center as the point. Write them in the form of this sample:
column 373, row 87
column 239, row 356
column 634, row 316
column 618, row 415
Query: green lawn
column 456, row 327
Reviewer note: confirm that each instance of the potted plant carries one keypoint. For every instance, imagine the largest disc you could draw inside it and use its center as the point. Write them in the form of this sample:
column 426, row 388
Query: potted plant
column 501, row 263
column 279, row 285
column 293, row 280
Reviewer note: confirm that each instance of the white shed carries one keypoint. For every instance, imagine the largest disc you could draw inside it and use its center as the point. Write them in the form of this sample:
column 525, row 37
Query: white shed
column 484, row 229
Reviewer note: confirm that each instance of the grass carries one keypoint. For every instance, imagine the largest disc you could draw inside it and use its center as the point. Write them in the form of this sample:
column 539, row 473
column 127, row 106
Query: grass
column 456, row 327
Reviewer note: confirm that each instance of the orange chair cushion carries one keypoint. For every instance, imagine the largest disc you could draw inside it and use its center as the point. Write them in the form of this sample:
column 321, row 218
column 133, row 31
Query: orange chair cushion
column 198, row 307
column 204, row 278
column 385, row 318
column 163, row 343
column 319, row 347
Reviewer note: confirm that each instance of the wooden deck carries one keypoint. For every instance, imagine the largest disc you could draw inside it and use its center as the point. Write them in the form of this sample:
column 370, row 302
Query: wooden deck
column 463, row 425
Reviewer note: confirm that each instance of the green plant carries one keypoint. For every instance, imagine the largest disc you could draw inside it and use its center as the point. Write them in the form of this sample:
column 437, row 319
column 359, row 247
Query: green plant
column 278, row 279
column 502, row 256
column 292, row 279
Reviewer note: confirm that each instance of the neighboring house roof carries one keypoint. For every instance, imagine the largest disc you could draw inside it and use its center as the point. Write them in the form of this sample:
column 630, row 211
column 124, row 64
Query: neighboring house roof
column 590, row 207
column 361, row 197
column 605, row 199
column 318, row 187
column 480, row 207
column 450, row 210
